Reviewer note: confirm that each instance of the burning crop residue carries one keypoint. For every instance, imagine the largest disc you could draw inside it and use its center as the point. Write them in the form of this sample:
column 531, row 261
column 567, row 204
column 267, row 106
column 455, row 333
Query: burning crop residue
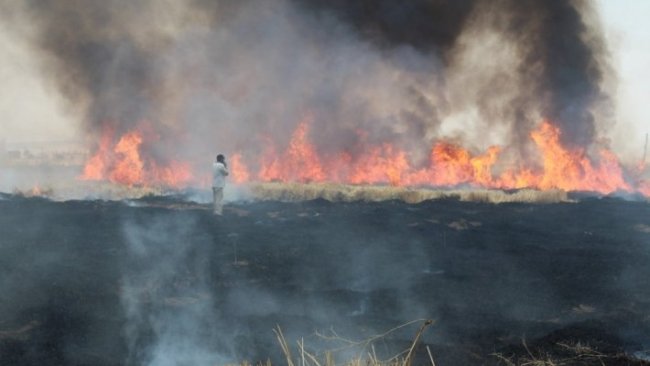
column 501, row 95
column 448, row 165
column 122, row 162
column 372, row 101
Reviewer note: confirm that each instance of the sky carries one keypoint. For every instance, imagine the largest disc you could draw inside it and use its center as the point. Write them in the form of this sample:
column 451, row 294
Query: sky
column 628, row 34
column 31, row 109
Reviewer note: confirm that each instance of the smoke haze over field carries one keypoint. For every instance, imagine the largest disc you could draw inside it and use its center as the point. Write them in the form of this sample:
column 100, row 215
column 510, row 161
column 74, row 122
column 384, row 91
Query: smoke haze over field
column 228, row 75
column 159, row 282
column 199, row 77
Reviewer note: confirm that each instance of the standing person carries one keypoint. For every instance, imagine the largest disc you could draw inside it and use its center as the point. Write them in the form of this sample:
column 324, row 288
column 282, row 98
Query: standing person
column 219, row 173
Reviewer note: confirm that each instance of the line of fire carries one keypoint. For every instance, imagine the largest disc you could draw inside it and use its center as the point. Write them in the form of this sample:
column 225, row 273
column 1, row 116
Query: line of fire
column 120, row 159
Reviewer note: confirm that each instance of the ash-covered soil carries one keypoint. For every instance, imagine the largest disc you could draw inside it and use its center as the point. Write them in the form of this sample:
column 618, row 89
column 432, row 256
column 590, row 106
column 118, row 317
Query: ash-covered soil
column 160, row 281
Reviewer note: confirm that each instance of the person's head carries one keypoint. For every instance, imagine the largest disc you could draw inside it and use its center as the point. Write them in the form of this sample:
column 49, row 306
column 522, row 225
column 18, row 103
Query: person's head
column 221, row 158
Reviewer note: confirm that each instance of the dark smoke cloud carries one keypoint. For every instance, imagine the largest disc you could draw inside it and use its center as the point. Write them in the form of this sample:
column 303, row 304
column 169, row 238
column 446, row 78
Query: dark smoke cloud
column 564, row 58
column 572, row 63
column 226, row 75
column 96, row 57
column 427, row 25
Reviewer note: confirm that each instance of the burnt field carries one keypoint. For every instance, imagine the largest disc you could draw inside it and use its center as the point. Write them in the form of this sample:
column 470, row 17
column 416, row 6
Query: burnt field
column 160, row 281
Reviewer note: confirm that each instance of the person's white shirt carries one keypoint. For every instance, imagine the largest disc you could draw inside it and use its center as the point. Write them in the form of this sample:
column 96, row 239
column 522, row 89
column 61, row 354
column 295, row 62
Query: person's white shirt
column 219, row 173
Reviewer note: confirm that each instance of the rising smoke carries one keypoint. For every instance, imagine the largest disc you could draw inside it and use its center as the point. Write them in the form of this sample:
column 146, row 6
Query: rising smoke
column 190, row 296
column 169, row 308
column 206, row 76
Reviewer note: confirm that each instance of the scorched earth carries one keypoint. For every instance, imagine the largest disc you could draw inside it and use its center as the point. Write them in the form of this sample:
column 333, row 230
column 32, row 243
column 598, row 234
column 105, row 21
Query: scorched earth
column 160, row 281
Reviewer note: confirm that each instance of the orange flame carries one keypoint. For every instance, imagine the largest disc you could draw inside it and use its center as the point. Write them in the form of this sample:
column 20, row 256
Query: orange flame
column 449, row 165
column 128, row 168
column 452, row 165
column 238, row 169
column 96, row 166
column 299, row 163
column 571, row 170
column 123, row 164
column 559, row 167
column 380, row 164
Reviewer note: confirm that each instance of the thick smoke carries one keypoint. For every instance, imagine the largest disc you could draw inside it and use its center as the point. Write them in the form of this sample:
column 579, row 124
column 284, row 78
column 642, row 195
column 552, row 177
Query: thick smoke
column 206, row 76
column 571, row 60
column 560, row 53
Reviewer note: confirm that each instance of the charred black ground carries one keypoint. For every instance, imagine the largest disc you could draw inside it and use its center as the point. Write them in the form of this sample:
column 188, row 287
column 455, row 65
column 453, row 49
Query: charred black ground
column 160, row 279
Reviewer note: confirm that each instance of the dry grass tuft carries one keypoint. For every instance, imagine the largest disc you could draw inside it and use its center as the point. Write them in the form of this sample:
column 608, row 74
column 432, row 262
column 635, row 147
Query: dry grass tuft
column 90, row 190
column 349, row 193
column 366, row 351
column 572, row 354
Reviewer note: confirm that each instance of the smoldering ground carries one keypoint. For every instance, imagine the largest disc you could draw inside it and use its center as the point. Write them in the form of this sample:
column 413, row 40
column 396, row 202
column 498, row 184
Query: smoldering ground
column 169, row 287
column 104, row 283
column 228, row 76
column 159, row 282
column 165, row 293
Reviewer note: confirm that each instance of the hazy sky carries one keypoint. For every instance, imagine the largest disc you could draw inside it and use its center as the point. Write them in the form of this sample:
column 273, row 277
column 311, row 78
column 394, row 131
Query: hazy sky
column 628, row 34
column 30, row 109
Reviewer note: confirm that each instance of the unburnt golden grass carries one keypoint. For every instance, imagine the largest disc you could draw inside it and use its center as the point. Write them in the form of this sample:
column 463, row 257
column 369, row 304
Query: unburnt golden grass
column 349, row 193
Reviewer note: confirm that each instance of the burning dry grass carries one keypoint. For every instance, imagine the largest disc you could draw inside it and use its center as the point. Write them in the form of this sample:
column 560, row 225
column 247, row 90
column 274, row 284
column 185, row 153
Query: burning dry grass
column 348, row 193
